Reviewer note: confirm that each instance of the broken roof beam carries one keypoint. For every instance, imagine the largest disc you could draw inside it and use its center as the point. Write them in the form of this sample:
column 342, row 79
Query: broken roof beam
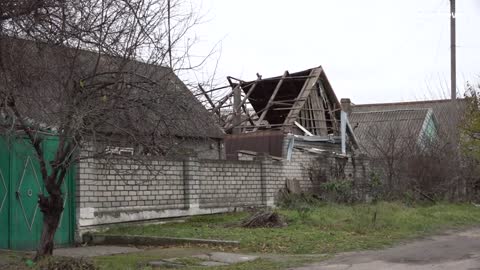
column 270, row 101
column 326, row 102
column 208, row 98
column 319, row 113
column 308, row 133
column 293, row 77
column 249, row 117
column 213, row 90
column 223, row 100
column 232, row 84
column 247, row 95
column 245, row 120
column 309, row 84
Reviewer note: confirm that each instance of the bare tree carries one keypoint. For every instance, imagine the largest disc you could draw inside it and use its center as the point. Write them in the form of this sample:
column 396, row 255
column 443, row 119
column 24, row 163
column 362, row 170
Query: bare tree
column 89, row 72
column 417, row 155
column 388, row 146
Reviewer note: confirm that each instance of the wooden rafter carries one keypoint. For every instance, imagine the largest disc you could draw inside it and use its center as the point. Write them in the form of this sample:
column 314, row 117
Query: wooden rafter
column 208, row 98
column 249, row 117
column 247, row 95
column 270, row 101
column 223, row 100
column 330, row 110
column 309, row 84
column 319, row 113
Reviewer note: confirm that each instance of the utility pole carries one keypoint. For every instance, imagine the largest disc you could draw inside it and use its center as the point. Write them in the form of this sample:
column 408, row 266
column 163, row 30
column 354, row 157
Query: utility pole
column 453, row 52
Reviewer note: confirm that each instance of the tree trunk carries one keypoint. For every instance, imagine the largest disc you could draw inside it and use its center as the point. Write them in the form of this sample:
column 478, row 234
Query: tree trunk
column 51, row 207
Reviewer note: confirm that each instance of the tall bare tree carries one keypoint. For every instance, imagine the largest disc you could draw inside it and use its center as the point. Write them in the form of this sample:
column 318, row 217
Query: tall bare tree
column 89, row 72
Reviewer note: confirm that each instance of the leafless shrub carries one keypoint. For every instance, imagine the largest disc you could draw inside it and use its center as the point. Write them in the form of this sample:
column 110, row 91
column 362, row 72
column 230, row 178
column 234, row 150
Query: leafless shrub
column 424, row 162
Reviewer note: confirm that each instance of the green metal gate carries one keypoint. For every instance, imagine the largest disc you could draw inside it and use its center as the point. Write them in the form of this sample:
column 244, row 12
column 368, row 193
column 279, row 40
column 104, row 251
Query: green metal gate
column 20, row 184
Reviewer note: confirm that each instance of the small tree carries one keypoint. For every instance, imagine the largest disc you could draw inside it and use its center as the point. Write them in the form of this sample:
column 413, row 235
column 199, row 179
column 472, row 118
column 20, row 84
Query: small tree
column 69, row 68
column 470, row 140
column 388, row 145
column 471, row 125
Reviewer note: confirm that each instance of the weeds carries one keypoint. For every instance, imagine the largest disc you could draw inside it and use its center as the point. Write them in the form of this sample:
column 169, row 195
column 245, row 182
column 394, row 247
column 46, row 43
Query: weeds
column 323, row 228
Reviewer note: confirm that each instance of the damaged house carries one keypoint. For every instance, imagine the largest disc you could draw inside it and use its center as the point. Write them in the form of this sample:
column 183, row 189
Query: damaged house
column 274, row 110
column 296, row 118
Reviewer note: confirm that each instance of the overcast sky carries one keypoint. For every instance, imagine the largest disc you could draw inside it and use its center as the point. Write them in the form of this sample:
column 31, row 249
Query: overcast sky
column 371, row 50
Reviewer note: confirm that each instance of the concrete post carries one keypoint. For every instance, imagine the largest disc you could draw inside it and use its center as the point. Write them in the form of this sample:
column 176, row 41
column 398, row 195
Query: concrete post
column 266, row 162
column 191, row 180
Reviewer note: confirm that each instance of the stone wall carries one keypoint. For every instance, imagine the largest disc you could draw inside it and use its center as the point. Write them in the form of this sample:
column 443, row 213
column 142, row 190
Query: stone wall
column 122, row 190
column 227, row 183
column 331, row 166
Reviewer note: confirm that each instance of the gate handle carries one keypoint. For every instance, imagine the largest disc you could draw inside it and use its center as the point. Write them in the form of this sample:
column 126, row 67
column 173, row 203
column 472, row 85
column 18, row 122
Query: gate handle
column 17, row 194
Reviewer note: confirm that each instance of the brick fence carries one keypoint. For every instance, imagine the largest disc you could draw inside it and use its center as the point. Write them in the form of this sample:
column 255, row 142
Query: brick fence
column 124, row 190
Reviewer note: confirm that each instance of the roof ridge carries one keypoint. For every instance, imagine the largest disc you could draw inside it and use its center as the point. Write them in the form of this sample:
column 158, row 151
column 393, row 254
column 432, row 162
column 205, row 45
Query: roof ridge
column 406, row 102
column 396, row 110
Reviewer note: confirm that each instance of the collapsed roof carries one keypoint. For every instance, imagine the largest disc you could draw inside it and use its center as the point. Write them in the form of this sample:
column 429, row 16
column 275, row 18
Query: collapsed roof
column 300, row 103
column 305, row 97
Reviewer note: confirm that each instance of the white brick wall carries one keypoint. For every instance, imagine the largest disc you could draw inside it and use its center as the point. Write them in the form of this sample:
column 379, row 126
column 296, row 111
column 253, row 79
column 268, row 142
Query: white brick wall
column 120, row 189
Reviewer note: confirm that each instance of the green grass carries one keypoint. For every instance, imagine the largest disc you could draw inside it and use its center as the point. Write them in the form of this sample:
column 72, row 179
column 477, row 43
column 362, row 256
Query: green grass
column 139, row 261
column 133, row 262
column 326, row 229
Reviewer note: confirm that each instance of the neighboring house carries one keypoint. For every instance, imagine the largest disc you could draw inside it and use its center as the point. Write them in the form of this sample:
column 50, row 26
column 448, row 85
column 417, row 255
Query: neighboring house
column 92, row 182
column 184, row 122
column 403, row 129
column 447, row 113
column 413, row 144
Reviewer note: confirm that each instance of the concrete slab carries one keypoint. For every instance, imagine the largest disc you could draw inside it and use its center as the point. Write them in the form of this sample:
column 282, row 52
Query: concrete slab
column 228, row 258
column 212, row 263
column 165, row 264
column 93, row 251
column 140, row 240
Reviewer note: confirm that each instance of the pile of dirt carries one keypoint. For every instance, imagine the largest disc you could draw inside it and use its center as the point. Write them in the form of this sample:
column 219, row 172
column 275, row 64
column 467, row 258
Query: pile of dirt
column 264, row 219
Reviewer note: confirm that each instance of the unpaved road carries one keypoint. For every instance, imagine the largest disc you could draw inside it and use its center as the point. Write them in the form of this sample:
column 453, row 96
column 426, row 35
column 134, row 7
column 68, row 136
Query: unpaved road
column 454, row 250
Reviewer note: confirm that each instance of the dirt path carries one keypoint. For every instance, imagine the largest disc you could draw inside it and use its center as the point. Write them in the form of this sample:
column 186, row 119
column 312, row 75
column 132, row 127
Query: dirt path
column 454, row 250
